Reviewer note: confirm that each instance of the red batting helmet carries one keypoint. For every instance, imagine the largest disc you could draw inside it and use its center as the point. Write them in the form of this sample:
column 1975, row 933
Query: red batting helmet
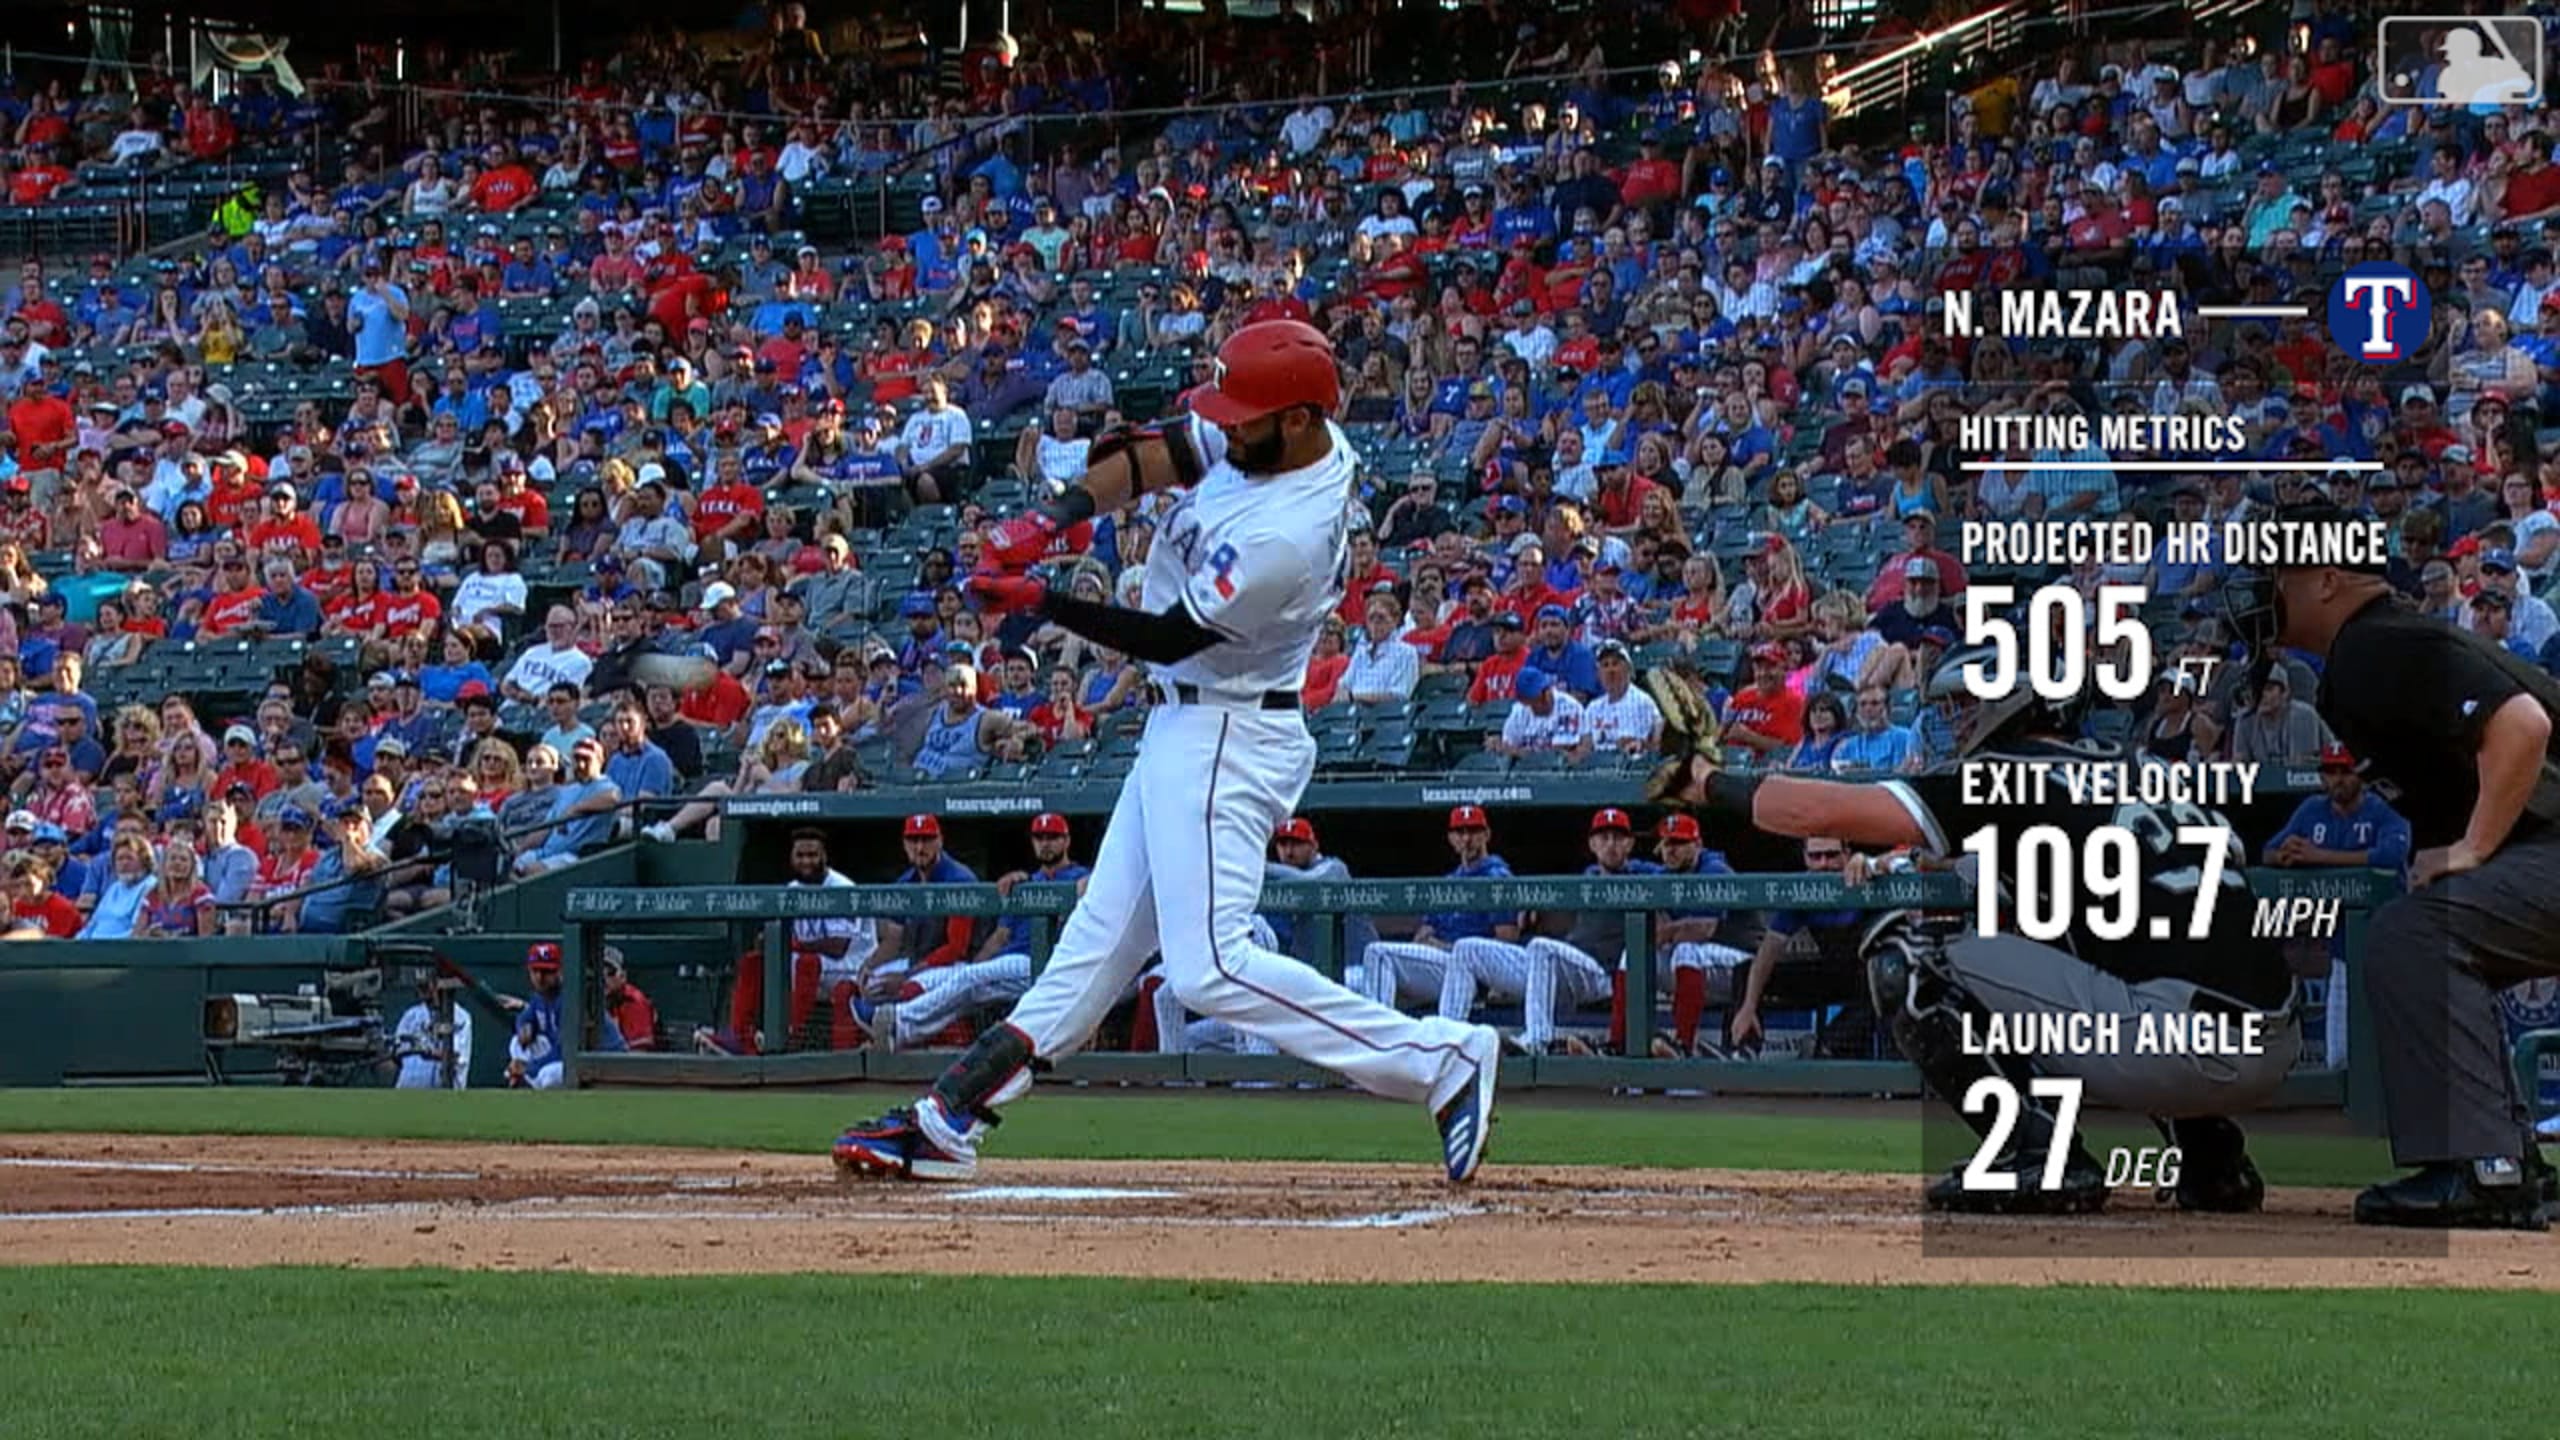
column 1268, row 366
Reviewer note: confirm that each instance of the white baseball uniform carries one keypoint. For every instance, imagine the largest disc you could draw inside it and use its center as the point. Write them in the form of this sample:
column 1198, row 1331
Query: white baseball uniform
column 1177, row 1033
column 1260, row 561
column 1482, row 964
column 951, row 991
column 861, row 935
column 1396, row 972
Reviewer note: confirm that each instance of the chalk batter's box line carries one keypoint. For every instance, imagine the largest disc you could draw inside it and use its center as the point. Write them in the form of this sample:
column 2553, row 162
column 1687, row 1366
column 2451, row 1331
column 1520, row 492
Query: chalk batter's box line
column 1378, row 1220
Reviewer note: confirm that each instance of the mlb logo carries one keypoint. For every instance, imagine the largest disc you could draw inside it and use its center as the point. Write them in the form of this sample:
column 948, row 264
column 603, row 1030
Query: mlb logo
column 2379, row 312
column 2465, row 60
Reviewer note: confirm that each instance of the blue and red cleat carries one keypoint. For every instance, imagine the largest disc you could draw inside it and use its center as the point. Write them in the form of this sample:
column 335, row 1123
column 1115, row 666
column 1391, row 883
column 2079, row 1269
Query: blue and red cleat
column 897, row 1147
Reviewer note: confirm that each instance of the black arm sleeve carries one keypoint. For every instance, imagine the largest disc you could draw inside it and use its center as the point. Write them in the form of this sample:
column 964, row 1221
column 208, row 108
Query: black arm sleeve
column 1158, row 639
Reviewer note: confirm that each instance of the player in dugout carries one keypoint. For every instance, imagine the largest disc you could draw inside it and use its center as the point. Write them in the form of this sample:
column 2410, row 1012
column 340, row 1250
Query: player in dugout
column 2457, row 734
column 1933, row 979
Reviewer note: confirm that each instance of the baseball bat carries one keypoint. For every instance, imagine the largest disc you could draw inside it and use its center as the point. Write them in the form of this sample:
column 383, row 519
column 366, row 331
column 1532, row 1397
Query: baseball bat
column 489, row 999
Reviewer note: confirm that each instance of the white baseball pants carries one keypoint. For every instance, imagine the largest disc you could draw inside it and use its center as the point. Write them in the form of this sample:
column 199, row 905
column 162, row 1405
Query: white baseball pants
column 1177, row 1033
column 951, row 991
column 1181, row 871
column 1483, row 965
column 1396, row 973
column 1559, row 976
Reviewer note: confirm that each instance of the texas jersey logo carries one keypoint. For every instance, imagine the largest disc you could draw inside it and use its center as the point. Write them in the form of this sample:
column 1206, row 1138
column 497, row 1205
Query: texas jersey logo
column 2379, row 312
column 1222, row 571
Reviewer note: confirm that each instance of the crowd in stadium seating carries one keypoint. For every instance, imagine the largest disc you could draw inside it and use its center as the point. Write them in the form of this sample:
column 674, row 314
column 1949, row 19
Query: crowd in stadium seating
column 1661, row 438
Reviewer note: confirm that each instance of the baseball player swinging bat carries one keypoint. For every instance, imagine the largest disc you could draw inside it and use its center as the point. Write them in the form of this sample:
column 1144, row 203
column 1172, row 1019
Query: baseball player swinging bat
column 1244, row 570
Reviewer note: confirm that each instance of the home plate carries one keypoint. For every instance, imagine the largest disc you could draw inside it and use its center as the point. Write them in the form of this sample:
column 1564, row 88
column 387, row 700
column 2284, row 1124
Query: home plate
column 1061, row 1194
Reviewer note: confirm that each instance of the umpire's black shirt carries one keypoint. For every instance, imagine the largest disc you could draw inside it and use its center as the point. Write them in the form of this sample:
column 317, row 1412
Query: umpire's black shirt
column 2410, row 696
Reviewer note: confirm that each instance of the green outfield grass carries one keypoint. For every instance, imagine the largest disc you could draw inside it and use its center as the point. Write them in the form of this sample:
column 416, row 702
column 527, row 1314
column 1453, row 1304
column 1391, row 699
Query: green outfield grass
column 1071, row 1124
column 124, row 1353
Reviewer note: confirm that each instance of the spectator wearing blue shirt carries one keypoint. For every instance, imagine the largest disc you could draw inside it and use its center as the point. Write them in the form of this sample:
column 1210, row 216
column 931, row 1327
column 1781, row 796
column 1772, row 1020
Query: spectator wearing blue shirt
column 348, row 855
column 1556, row 652
column 287, row 610
column 2345, row 826
column 379, row 313
column 638, row 767
column 1874, row 742
column 1392, row 971
column 581, row 814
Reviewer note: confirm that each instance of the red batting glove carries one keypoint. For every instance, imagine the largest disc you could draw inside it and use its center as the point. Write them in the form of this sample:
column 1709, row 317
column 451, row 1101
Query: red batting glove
column 1021, row 542
column 1005, row 594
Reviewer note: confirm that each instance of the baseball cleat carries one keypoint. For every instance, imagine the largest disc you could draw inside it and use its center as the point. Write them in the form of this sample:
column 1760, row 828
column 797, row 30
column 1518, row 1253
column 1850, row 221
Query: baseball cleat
column 2083, row 1190
column 1466, row 1118
column 896, row 1147
column 2492, row 1194
column 2214, row 1173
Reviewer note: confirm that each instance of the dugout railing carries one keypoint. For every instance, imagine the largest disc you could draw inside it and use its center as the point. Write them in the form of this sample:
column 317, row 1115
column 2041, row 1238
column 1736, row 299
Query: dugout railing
column 591, row 914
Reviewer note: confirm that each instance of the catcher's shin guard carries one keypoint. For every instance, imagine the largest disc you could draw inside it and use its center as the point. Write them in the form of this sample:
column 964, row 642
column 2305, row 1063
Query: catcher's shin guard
column 1921, row 1005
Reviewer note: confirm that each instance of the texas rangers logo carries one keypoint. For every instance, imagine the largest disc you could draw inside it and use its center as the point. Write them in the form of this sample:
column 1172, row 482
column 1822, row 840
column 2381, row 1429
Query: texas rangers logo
column 2379, row 312
column 1222, row 565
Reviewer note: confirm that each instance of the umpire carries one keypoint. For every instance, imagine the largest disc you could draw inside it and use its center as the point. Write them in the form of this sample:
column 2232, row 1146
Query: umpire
column 2457, row 734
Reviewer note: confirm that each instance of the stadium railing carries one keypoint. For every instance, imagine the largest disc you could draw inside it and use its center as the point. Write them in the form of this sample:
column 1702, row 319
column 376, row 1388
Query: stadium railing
column 589, row 913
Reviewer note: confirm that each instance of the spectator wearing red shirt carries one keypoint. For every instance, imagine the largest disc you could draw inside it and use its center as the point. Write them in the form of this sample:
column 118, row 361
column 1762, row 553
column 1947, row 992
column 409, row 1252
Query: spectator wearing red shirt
column 1365, row 571
column 34, row 182
column 41, row 426
column 1057, row 718
column 517, row 496
column 290, row 857
column 729, row 515
column 1765, row 716
column 1649, row 179
column 406, row 607
column 132, row 539
column 209, row 132
column 233, row 488
column 34, row 902
column 47, row 323
column 721, row 704
column 241, row 765
column 287, row 533
column 505, row 185
column 1919, row 542
column 236, row 594
column 1619, row 500
column 2533, row 186
column 20, row 520
column 60, row 796
column 1496, row 672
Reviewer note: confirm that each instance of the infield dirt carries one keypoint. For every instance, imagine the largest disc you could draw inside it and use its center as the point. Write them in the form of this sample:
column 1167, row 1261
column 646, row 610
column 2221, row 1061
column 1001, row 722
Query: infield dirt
column 127, row 1199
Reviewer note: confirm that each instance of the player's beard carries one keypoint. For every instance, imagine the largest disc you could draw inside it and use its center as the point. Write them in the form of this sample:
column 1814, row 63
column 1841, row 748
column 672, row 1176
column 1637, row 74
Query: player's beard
column 1258, row 455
